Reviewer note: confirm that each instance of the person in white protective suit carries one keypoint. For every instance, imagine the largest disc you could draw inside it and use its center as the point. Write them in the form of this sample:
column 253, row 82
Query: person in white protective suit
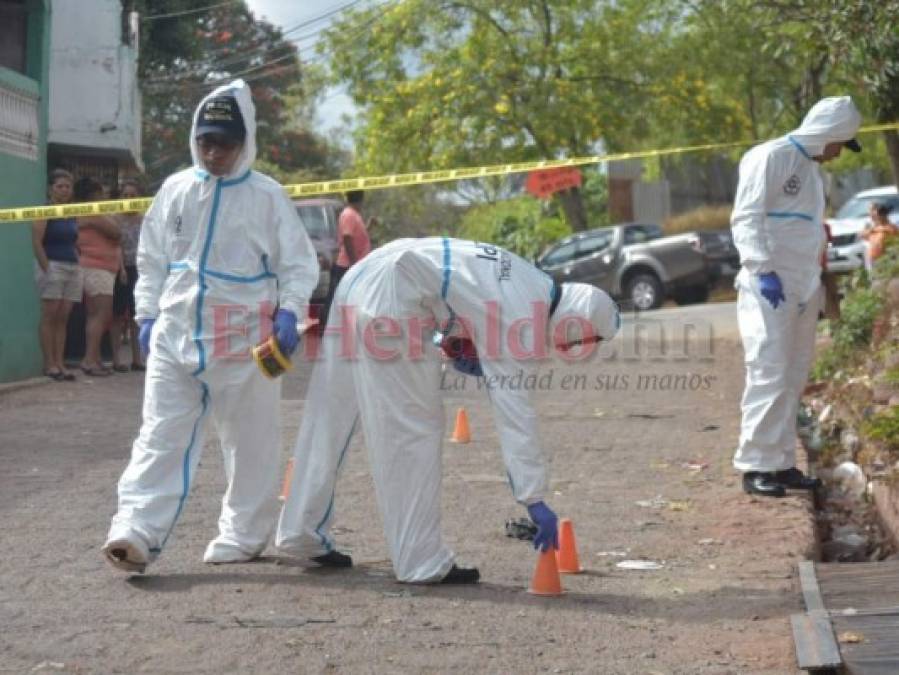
column 778, row 228
column 480, row 295
column 222, row 252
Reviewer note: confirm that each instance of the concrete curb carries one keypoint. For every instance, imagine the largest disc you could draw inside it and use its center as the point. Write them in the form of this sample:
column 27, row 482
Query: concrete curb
column 9, row 387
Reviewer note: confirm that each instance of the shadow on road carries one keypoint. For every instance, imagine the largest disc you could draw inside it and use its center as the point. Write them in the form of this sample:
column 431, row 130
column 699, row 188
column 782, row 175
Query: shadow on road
column 726, row 603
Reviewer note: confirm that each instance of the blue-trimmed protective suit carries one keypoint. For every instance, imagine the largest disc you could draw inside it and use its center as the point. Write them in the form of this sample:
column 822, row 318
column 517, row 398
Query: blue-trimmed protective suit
column 217, row 255
column 392, row 386
column 778, row 226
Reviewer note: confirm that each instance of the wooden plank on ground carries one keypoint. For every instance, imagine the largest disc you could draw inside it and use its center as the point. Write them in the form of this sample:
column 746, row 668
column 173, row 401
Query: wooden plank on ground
column 810, row 591
column 859, row 586
column 871, row 644
column 813, row 636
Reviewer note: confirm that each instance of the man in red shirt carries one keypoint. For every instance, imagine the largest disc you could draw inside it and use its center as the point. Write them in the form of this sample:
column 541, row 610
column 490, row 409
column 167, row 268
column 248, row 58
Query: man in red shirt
column 352, row 237
column 353, row 243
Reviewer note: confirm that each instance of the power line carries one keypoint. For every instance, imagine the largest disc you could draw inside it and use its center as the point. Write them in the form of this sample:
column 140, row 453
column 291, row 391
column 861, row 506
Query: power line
column 359, row 30
column 321, row 17
column 198, row 10
column 259, row 67
column 161, row 83
column 249, row 53
column 212, row 64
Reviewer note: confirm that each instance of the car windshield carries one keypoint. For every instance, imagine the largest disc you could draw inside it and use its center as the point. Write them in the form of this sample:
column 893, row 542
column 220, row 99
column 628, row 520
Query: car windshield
column 559, row 255
column 858, row 207
column 314, row 220
column 594, row 244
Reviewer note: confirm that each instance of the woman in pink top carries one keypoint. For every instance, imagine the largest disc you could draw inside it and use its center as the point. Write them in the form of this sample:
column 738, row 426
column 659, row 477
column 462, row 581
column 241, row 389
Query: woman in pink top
column 101, row 258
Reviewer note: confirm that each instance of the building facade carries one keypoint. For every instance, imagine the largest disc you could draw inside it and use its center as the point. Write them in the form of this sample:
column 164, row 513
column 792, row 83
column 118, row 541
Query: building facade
column 24, row 92
column 94, row 48
column 69, row 98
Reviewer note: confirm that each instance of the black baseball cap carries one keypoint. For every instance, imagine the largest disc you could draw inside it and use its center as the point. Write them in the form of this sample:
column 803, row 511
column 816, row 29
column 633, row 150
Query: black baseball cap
column 853, row 145
column 221, row 115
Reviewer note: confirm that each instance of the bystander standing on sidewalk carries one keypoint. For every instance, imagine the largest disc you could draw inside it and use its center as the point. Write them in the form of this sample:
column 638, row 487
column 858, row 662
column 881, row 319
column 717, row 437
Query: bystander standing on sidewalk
column 59, row 276
column 101, row 259
column 878, row 233
column 123, row 309
column 353, row 244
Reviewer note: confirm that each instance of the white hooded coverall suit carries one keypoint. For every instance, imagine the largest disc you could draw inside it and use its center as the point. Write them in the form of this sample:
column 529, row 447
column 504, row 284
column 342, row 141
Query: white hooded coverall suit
column 778, row 226
column 415, row 286
column 217, row 256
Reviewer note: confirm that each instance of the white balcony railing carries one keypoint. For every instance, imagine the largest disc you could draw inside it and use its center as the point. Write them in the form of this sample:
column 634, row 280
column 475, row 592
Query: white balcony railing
column 19, row 123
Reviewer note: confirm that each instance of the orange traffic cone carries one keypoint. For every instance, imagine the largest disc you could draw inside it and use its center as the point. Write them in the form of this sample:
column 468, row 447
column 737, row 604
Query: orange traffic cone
column 567, row 553
column 285, row 484
column 546, row 579
column 461, row 434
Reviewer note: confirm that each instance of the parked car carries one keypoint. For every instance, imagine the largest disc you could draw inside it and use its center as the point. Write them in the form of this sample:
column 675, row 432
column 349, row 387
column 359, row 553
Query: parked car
column 846, row 251
column 319, row 217
column 633, row 262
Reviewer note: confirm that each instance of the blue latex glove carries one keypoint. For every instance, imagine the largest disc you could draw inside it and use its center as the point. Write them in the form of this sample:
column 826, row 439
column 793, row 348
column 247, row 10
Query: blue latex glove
column 771, row 288
column 285, row 330
column 468, row 365
column 145, row 329
column 547, row 526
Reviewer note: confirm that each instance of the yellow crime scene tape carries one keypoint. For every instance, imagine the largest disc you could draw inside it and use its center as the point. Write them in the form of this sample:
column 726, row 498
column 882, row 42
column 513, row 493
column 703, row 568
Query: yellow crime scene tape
column 383, row 182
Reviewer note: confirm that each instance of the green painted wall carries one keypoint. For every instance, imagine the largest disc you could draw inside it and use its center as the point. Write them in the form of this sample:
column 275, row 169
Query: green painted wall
column 22, row 183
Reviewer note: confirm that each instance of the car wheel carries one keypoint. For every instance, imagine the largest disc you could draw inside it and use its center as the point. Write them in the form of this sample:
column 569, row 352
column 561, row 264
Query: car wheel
column 691, row 295
column 644, row 291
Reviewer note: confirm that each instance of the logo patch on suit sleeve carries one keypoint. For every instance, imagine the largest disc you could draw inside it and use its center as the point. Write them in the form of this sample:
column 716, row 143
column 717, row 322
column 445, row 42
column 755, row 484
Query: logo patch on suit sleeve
column 793, row 185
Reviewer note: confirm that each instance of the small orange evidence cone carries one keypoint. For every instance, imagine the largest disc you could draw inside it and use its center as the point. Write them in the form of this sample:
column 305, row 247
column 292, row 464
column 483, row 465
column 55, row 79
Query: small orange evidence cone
column 288, row 477
column 567, row 553
column 461, row 434
column 546, row 579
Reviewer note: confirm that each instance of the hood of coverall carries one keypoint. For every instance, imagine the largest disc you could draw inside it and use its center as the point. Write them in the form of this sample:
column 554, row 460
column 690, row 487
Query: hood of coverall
column 590, row 303
column 830, row 120
column 241, row 93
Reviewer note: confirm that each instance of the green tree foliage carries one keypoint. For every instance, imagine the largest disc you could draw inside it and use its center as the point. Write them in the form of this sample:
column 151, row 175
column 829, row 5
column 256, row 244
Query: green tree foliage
column 521, row 225
column 595, row 189
column 468, row 82
column 185, row 55
column 414, row 211
column 758, row 86
column 870, row 39
column 448, row 83
column 838, row 46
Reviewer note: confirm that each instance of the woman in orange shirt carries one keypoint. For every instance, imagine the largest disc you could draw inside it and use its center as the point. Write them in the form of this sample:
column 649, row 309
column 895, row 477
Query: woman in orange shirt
column 101, row 258
column 878, row 233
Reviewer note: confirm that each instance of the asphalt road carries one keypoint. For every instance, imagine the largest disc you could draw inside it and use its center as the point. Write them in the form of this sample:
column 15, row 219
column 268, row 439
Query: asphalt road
column 641, row 441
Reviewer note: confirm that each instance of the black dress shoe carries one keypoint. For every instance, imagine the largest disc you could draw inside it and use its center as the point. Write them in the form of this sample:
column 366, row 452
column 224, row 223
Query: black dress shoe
column 333, row 559
column 763, row 483
column 461, row 575
column 794, row 479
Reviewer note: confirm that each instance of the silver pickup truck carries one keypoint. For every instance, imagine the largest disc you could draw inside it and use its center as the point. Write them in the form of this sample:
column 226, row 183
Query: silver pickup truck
column 634, row 263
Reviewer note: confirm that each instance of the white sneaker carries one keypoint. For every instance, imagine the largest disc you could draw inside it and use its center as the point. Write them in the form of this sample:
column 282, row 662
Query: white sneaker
column 218, row 553
column 128, row 555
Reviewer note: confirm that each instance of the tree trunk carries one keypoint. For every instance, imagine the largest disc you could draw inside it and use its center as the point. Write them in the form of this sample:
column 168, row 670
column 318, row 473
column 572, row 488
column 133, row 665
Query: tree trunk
column 573, row 206
column 891, row 137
